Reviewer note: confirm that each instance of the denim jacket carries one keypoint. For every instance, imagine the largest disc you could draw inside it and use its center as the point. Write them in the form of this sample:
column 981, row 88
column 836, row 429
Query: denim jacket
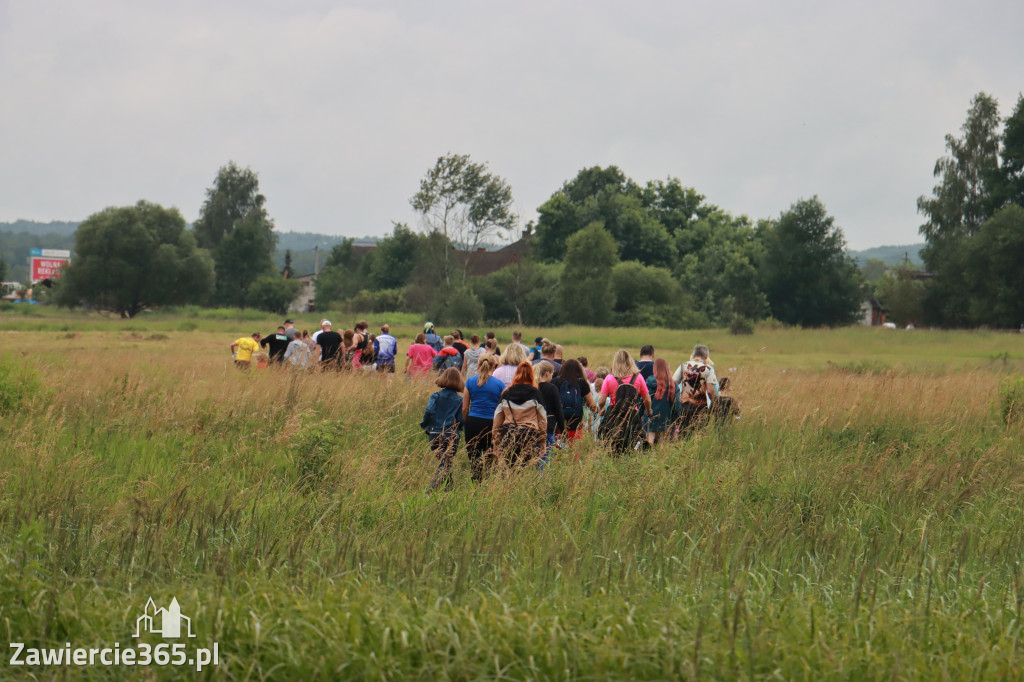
column 443, row 413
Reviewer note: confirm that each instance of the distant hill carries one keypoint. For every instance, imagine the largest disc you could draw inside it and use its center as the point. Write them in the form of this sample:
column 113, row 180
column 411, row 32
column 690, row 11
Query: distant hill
column 62, row 227
column 890, row 255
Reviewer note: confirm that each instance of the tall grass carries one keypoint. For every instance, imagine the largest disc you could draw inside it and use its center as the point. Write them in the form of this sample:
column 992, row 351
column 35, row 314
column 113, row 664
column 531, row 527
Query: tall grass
column 862, row 519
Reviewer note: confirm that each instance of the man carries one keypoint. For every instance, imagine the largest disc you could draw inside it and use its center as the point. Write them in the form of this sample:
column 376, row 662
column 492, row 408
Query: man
column 243, row 349
column 432, row 339
column 517, row 338
column 646, row 362
column 700, row 395
column 535, row 348
column 547, row 352
column 276, row 344
column 289, row 329
column 385, row 347
column 330, row 345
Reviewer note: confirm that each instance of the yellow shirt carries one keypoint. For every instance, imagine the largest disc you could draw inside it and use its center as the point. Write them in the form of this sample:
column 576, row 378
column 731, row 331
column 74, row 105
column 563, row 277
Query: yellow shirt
column 246, row 347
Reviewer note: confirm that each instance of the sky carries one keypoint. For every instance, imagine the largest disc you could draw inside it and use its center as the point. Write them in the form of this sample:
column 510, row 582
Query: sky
column 342, row 107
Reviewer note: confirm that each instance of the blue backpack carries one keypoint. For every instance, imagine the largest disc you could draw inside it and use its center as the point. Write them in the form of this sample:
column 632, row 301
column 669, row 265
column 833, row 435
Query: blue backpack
column 571, row 398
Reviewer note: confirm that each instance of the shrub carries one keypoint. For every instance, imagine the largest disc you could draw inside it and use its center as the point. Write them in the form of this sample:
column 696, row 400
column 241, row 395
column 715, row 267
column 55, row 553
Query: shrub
column 1010, row 399
column 741, row 326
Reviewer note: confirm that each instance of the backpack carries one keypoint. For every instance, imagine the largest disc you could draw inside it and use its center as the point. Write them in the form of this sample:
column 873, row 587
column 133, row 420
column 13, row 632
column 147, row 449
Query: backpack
column 621, row 425
column 443, row 362
column 695, row 382
column 520, row 443
column 571, row 397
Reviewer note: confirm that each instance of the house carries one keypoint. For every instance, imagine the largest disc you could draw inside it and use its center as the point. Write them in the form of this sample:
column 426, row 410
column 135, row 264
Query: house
column 872, row 313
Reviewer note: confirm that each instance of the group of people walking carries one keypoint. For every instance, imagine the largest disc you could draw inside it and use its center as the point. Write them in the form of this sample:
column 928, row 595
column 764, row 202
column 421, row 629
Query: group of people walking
column 325, row 349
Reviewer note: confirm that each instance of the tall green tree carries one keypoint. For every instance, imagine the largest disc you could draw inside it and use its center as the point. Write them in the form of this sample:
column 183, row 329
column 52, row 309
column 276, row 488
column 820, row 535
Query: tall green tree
column 1012, row 156
column 586, row 294
column 233, row 223
column 133, row 258
column 461, row 200
column 993, row 272
column 901, row 292
column 965, row 196
column 806, row 274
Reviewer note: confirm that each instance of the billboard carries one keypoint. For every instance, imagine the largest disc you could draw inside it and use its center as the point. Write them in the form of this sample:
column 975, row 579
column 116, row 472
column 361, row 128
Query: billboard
column 46, row 263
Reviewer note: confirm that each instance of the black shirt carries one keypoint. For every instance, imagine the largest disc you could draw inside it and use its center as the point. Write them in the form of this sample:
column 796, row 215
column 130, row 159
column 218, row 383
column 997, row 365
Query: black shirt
column 329, row 343
column 552, row 405
column 276, row 344
column 646, row 368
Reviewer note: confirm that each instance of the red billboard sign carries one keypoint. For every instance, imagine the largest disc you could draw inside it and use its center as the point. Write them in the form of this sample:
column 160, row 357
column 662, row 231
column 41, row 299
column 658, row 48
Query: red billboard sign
column 46, row 268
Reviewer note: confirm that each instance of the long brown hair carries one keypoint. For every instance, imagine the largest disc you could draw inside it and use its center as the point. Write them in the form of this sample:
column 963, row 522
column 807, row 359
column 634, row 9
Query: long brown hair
column 664, row 377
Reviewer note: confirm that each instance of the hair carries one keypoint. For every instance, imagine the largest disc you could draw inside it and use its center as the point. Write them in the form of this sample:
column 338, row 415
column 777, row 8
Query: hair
column 582, row 360
column 517, row 335
column 451, row 378
column 539, row 340
column 304, row 334
column 602, row 372
column 361, row 325
column 513, row 355
column 623, row 365
column 646, row 349
column 347, row 337
column 255, row 335
column 666, row 388
column 281, row 328
column 449, row 340
column 489, row 335
column 485, row 367
column 420, row 338
column 491, row 344
column 571, row 371
column 547, row 349
column 457, row 333
column 384, row 329
column 701, row 351
column 545, row 369
column 558, row 351
column 524, row 375
column 475, row 339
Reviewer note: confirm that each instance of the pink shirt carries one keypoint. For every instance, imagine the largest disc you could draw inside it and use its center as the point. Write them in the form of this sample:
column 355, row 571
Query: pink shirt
column 610, row 385
column 422, row 355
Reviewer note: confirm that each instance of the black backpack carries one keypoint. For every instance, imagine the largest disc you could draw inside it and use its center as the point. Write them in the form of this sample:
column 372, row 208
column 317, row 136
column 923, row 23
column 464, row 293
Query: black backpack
column 571, row 397
column 622, row 424
column 443, row 362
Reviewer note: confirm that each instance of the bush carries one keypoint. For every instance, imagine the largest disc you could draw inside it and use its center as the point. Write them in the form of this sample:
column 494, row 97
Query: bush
column 375, row 301
column 741, row 326
column 1010, row 400
column 274, row 294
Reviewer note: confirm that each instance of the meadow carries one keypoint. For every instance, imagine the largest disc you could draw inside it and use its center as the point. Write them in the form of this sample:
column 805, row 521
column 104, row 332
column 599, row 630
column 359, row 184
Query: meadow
column 861, row 520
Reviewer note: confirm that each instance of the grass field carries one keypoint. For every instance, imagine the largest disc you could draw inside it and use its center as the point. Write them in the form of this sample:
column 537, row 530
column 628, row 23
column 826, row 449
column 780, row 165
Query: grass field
column 862, row 520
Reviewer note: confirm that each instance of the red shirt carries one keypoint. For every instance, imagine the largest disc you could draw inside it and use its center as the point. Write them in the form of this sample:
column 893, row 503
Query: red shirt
column 422, row 355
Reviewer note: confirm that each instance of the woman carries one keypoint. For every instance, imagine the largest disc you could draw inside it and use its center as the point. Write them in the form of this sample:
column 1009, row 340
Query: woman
column 348, row 347
column 471, row 357
column 665, row 406
column 575, row 395
column 360, row 341
column 520, row 421
column 624, row 371
column 513, row 357
column 545, row 372
column 479, row 403
column 442, row 421
column 418, row 357
column 621, row 426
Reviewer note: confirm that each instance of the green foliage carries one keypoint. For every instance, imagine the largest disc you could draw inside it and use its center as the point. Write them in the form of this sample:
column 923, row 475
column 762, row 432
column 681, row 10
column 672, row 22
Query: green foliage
column 586, row 294
column 18, row 384
column 741, row 326
column 1010, row 400
column 377, row 301
column 648, row 296
column 524, row 292
column 873, row 270
column 456, row 306
column 805, row 272
column 993, row 269
column 273, row 293
column 234, row 197
column 1011, row 180
column 388, row 265
column 902, row 295
column 132, row 258
column 312, row 449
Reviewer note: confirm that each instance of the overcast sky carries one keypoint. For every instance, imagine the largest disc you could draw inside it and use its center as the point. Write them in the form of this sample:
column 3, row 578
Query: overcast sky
column 341, row 107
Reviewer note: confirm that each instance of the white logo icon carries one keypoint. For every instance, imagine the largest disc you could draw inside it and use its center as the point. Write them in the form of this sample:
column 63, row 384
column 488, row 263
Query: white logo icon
column 165, row 622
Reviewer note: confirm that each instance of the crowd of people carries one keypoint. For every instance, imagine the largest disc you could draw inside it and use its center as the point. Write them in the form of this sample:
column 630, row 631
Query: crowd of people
column 515, row 406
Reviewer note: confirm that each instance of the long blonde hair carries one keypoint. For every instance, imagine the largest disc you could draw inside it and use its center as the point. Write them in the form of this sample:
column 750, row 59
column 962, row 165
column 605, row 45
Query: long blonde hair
column 623, row 365
column 485, row 365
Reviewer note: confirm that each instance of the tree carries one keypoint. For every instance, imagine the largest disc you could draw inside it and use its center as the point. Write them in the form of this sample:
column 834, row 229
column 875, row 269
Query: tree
column 234, row 197
column 274, row 294
column 586, row 288
column 648, row 296
column 993, row 272
column 466, row 204
column 964, row 198
column 388, row 265
column 133, row 258
column 901, row 293
column 1012, row 154
column 3, row 269
column 806, row 274
column 521, row 293
column 339, row 279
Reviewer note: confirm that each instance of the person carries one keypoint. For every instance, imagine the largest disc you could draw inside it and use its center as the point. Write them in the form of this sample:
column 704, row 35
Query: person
column 448, row 357
column 591, row 374
column 535, row 348
column 666, row 406
column 520, row 420
column 442, row 422
column 308, row 340
column 490, row 336
column 491, row 348
column 479, row 402
column 431, row 337
column 418, row 357
column 517, row 339
column 553, row 407
column 348, row 349
column 330, row 346
column 700, row 357
column 360, row 342
column 547, row 354
column 297, row 354
column 289, row 329
column 646, row 362
column 471, row 358
column 510, row 360
column 243, row 348
column 385, row 347
column 621, row 425
column 459, row 344
column 276, row 344
column 575, row 395
column 701, row 391
column 559, row 353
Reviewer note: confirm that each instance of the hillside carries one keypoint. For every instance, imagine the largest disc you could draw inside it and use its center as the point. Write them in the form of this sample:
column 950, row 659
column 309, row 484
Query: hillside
column 890, row 255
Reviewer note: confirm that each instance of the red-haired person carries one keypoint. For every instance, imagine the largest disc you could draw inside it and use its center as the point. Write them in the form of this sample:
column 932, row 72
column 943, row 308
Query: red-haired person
column 520, row 420
column 666, row 405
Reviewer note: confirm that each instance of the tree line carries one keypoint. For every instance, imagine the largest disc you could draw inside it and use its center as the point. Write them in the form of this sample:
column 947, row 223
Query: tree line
column 604, row 250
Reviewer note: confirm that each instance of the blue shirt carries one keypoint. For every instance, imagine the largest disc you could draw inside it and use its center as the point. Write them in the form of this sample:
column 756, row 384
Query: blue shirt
column 483, row 400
